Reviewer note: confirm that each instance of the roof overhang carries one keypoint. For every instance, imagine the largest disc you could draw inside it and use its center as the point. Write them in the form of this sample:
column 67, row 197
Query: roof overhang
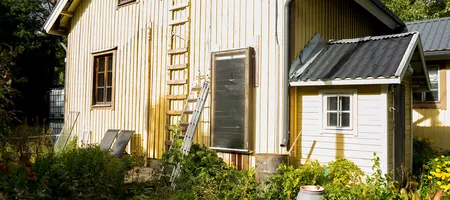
column 58, row 22
column 359, row 81
column 437, row 55
column 377, row 9
column 414, row 52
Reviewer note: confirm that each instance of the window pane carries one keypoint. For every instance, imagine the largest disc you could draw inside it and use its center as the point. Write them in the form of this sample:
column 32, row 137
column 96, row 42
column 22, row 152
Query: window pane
column 109, row 83
column 110, row 59
column 433, row 73
column 434, row 85
column 332, row 103
column 345, row 120
column 101, row 79
column 331, row 119
column 100, row 95
column 108, row 94
column 345, row 103
column 432, row 96
column 101, row 64
column 417, row 96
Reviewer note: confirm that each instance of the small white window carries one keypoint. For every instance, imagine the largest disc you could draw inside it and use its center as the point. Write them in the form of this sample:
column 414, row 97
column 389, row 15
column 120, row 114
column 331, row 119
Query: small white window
column 338, row 111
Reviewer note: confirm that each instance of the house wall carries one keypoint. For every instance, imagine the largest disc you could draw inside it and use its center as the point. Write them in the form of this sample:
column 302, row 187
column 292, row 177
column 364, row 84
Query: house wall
column 140, row 32
column 337, row 19
column 371, row 128
column 434, row 122
column 96, row 26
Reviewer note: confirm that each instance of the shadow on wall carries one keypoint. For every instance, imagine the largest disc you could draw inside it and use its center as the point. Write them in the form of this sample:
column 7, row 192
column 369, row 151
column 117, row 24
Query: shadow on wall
column 432, row 123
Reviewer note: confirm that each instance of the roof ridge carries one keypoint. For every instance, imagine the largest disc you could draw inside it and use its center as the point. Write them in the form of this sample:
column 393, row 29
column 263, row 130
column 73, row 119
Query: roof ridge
column 427, row 20
column 371, row 38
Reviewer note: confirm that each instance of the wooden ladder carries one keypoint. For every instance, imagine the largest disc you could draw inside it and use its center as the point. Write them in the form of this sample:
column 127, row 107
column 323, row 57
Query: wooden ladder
column 177, row 81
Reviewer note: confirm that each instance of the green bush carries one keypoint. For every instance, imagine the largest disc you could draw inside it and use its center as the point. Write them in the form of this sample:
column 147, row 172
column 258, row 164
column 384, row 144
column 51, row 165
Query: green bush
column 286, row 184
column 87, row 173
column 423, row 152
column 341, row 179
column 204, row 175
column 207, row 176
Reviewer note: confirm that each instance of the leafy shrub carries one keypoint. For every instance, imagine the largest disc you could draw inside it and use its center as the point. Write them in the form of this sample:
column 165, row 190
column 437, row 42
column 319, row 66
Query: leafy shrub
column 423, row 152
column 341, row 179
column 206, row 176
column 87, row 173
column 287, row 183
column 17, row 153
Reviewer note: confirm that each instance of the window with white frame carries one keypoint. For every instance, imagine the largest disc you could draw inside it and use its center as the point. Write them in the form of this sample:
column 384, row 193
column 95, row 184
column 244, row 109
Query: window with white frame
column 338, row 111
column 433, row 95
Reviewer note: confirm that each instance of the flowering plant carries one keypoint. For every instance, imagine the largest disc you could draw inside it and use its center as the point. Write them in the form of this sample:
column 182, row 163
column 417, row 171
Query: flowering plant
column 439, row 172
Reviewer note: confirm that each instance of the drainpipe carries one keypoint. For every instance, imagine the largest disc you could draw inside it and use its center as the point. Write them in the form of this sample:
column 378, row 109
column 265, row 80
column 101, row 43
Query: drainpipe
column 287, row 14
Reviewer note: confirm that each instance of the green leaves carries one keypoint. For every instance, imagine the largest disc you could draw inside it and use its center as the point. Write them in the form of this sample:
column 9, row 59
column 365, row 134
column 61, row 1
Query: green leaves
column 412, row 10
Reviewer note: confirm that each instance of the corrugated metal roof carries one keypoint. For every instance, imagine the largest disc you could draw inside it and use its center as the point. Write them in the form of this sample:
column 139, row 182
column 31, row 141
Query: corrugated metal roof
column 435, row 33
column 360, row 58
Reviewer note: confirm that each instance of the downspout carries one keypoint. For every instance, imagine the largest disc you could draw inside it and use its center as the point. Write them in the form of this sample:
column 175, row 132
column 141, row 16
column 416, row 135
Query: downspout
column 287, row 28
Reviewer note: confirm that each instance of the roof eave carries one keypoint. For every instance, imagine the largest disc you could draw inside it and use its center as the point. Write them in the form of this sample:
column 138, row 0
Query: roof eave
column 376, row 8
column 368, row 81
column 50, row 23
column 424, row 65
column 416, row 43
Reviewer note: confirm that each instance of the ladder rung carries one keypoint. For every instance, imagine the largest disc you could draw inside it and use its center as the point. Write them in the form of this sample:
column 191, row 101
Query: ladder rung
column 188, row 111
column 176, row 82
column 184, row 124
column 177, row 67
column 182, row 128
column 192, row 100
column 196, row 88
column 177, row 51
column 174, row 112
column 179, row 21
column 176, row 97
column 179, row 6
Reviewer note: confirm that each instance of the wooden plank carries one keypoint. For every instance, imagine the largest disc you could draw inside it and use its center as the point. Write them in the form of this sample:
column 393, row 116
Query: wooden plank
column 177, row 51
column 174, row 112
column 176, row 97
column 176, row 82
column 177, row 67
column 67, row 14
column 179, row 21
column 192, row 100
column 179, row 6
column 188, row 111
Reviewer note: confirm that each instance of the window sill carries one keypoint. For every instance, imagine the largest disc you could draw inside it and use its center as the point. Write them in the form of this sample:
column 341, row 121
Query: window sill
column 436, row 105
column 102, row 107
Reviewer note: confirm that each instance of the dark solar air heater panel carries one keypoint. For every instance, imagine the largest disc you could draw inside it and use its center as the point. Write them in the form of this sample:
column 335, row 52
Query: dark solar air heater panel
column 232, row 87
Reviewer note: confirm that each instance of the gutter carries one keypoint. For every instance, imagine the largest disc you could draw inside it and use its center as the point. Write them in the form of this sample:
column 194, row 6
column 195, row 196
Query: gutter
column 287, row 28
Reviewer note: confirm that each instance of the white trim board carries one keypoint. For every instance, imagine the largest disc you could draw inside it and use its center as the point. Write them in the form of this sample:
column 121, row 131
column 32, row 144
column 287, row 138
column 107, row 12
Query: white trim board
column 55, row 14
column 377, row 81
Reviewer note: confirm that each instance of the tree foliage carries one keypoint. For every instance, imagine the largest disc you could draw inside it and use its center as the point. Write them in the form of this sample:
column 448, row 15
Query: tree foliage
column 32, row 60
column 412, row 10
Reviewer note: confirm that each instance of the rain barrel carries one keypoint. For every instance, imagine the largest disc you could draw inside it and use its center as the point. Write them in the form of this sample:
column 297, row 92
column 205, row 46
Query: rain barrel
column 310, row 192
column 267, row 164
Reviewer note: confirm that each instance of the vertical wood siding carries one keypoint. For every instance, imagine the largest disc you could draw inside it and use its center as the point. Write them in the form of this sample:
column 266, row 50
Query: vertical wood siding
column 140, row 33
column 434, row 123
column 99, row 25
